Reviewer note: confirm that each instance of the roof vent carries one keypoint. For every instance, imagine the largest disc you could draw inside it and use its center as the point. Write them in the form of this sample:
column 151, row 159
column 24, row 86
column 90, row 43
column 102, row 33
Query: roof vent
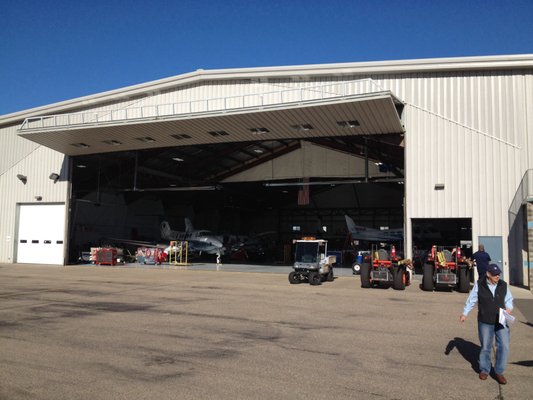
column 80, row 145
column 112, row 142
column 146, row 139
column 218, row 133
column 302, row 127
column 259, row 131
column 181, row 136
column 349, row 124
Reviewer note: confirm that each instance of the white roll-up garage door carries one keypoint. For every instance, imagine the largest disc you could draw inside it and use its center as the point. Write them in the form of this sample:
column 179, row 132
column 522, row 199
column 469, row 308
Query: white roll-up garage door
column 41, row 234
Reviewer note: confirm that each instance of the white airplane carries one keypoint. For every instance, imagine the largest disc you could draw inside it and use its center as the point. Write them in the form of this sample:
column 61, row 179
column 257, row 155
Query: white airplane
column 200, row 241
column 373, row 235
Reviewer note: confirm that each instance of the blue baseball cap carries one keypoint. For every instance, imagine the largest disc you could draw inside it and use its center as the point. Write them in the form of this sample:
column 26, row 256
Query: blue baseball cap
column 493, row 269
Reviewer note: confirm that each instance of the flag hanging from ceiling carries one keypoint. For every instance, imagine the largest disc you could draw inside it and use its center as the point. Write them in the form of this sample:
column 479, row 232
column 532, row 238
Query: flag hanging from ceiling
column 303, row 193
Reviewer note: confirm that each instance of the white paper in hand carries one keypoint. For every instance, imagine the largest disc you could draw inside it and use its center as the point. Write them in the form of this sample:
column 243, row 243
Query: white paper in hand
column 505, row 318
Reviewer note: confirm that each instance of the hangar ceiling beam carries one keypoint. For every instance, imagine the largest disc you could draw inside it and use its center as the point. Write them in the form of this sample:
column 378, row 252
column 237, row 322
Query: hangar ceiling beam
column 279, row 151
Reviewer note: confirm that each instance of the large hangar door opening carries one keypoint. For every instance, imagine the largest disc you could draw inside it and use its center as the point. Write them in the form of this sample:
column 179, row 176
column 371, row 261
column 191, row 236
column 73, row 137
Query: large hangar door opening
column 261, row 190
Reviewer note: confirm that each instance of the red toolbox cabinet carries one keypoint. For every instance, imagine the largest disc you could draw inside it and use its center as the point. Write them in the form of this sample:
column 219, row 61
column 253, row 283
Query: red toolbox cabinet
column 106, row 256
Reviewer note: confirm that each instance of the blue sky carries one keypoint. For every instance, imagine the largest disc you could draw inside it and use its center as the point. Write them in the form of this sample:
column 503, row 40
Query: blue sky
column 52, row 50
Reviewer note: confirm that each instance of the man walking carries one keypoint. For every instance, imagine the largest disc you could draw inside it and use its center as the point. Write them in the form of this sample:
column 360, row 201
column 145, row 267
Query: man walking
column 491, row 293
column 482, row 259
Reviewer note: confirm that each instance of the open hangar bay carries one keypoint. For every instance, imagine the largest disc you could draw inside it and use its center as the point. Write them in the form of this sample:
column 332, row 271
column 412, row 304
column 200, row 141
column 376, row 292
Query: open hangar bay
column 128, row 194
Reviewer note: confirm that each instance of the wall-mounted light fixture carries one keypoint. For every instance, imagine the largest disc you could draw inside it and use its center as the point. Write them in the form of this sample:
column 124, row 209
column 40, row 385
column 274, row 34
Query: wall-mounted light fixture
column 439, row 186
column 53, row 176
column 38, row 198
column 22, row 178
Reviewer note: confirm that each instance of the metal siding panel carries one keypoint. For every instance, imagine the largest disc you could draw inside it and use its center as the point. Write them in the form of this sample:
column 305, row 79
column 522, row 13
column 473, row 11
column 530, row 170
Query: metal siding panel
column 37, row 164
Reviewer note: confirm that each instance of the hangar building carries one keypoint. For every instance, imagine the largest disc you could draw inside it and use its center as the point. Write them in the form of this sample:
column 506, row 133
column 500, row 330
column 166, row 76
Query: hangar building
column 438, row 147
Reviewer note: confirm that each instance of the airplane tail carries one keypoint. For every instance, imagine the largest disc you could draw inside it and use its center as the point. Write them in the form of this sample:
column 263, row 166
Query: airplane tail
column 350, row 224
column 165, row 230
column 188, row 226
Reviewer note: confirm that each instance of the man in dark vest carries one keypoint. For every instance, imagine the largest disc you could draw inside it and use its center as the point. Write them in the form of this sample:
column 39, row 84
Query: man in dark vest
column 491, row 293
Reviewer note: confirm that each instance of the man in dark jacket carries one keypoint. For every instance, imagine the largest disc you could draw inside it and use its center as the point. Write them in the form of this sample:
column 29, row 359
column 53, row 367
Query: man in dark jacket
column 482, row 259
column 492, row 294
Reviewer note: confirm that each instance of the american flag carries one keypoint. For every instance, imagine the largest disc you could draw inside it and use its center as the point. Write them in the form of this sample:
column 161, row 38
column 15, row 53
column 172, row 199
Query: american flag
column 303, row 193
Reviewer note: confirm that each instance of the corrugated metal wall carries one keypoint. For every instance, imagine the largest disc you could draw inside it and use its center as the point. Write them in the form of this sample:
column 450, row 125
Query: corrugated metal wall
column 20, row 156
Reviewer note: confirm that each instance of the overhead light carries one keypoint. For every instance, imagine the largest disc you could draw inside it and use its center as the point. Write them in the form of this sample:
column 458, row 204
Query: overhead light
column 146, row 139
column 439, row 186
column 81, row 145
column 258, row 151
column 178, row 159
column 302, row 127
column 181, row 136
column 22, row 178
column 218, row 133
column 81, row 166
column 53, row 176
column 172, row 185
column 112, row 142
column 349, row 124
column 258, row 131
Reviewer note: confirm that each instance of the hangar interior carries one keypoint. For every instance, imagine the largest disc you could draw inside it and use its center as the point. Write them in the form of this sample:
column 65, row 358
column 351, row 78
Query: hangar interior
column 240, row 190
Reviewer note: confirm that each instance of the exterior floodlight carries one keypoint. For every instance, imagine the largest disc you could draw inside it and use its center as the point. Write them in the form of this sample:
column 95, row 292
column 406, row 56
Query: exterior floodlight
column 53, row 176
column 22, row 178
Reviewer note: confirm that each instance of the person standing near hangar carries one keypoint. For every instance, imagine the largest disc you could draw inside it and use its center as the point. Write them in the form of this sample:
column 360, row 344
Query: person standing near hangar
column 482, row 259
column 492, row 295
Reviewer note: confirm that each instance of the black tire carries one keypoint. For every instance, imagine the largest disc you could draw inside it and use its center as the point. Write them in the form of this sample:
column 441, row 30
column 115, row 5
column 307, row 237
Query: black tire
column 427, row 279
column 365, row 276
column 398, row 278
column 329, row 276
column 294, row 277
column 464, row 280
column 314, row 278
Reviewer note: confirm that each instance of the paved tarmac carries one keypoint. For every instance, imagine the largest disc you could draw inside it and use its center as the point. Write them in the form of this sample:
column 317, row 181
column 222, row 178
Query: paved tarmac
column 88, row 332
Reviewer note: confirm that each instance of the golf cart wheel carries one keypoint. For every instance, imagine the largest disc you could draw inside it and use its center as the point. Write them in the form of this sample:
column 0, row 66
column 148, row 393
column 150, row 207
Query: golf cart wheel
column 464, row 281
column 294, row 277
column 329, row 276
column 314, row 278
column 365, row 276
column 356, row 268
column 427, row 279
column 398, row 278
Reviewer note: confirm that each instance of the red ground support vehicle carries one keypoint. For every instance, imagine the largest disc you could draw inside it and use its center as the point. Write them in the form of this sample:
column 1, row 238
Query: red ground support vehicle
column 446, row 268
column 384, row 268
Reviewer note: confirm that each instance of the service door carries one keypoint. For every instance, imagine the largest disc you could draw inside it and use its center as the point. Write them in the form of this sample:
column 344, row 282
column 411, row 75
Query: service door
column 41, row 232
column 493, row 246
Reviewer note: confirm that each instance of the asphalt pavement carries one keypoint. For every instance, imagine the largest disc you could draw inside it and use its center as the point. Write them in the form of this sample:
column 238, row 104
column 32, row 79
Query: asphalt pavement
column 236, row 332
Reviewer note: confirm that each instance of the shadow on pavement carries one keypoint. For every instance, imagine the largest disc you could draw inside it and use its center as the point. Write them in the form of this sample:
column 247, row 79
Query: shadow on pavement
column 527, row 363
column 469, row 351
